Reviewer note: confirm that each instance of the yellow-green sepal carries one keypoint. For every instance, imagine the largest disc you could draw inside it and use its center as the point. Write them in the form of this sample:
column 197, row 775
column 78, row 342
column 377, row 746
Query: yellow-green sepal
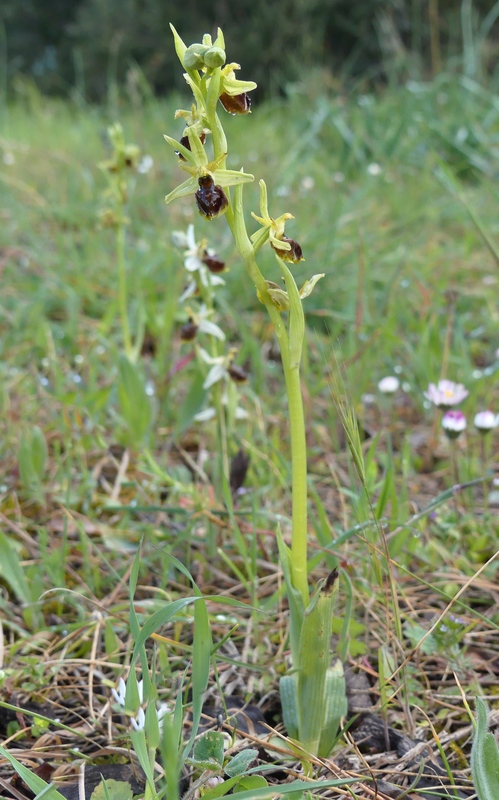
column 197, row 149
column 219, row 41
column 187, row 154
column 180, row 46
column 308, row 286
column 231, row 177
column 187, row 187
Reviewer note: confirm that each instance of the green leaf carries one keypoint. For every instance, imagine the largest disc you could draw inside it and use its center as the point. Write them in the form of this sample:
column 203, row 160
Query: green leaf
column 192, row 403
column 209, row 750
column 12, row 571
column 170, row 746
column 221, row 789
column 484, row 756
column 249, row 782
column 112, row 790
column 269, row 792
column 335, row 699
column 32, row 459
column 201, row 659
column 141, row 751
column 38, row 451
column 35, row 783
column 240, row 763
column 294, row 598
column 288, row 689
column 314, row 664
column 111, row 642
column 134, row 403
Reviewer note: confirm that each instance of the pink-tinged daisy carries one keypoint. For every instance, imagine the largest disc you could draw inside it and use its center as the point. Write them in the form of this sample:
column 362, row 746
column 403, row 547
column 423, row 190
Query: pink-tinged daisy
column 453, row 423
column 485, row 421
column 446, row 394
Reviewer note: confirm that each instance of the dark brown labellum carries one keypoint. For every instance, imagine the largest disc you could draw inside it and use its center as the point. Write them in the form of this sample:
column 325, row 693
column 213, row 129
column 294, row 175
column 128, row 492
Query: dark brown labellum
column 184, row 141
column 236, row 104
column 238, row 374
column 214, row 263
column 210, row 198
column 188, row 331
column 295, row 255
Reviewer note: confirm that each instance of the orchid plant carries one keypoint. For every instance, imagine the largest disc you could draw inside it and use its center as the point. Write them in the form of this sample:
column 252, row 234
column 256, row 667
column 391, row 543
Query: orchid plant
column 216, row 360
column 125, row 159
column 313, row 694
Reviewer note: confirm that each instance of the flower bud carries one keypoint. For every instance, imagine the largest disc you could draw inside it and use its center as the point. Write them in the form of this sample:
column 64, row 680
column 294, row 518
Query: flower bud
column 210, row 198
column 236, row 104
column 295, row 254
column 453, row 423
column 485, row 421
column 389, row 385
column 193, row 56
column 278, row 296
column 188, row 331
column 214, row 57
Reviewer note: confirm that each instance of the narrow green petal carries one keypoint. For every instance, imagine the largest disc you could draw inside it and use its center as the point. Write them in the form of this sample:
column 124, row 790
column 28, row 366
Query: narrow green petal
column 264, row 206
column 187, row 187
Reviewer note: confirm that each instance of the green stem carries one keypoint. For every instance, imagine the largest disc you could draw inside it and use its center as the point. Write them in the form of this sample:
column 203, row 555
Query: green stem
column 122, row 285
column 237, row 225
column 235, row 218
column 298, row 481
